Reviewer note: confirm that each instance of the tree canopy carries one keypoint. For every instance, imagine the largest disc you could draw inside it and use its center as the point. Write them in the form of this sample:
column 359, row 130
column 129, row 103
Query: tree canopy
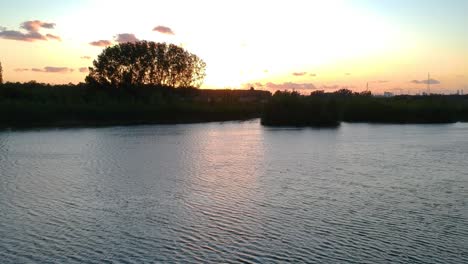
column 146, row 63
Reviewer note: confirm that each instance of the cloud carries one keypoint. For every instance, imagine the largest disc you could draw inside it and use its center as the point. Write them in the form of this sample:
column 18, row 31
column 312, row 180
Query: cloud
column 430, row 81
column 313, row 75
column 21, row 70
column 295, row 86
column 85, row 57
column 32, row 32
column 164, row 30
column 50, row 69
column 83, row 69
column 126, row 37
column 54, row 37
column 257, row 84
column 35, row 25
column 290, row 86
column 101, row 43
column 20, row 36
column 330, row 87
column 299, row 73
column 380, row 81
column 347, row 73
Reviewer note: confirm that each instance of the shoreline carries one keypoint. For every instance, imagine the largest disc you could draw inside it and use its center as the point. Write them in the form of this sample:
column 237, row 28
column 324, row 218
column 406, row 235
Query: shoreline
column 91, row 125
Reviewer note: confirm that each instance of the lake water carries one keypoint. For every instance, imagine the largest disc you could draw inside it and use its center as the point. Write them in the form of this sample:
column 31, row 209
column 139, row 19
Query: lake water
column 235, row 192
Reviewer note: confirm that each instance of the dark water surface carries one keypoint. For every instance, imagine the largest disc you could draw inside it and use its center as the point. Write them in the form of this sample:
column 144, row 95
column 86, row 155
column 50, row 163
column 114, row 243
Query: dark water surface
column 235, row 192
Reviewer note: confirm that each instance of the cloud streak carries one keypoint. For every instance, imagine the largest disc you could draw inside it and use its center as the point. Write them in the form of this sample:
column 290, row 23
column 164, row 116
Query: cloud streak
column 297, row 74
column 32, row 33
column 36, row 25
column 295, row 86
column 83, row 69
column 164, row 30
column 430, row 81
column 51, row 69
column 101, row 43
column 290, row 86
column 380, row 81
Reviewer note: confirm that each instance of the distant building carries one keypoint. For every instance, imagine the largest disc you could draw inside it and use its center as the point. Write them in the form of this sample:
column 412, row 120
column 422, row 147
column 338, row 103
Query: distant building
column 388, row 94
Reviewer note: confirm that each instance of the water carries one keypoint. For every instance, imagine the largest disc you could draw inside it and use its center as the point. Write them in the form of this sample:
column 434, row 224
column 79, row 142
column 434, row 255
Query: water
column 235, row 192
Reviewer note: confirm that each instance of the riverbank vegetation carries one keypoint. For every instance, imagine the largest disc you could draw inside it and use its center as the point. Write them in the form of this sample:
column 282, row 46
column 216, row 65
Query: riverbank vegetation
column 319, row 108
column 33, row 104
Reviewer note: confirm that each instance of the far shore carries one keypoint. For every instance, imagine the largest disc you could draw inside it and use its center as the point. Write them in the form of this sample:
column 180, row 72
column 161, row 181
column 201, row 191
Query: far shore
column 34, row 105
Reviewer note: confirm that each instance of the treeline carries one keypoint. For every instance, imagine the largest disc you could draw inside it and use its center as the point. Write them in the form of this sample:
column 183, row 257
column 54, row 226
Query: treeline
column 319, row 108
column 34, row 104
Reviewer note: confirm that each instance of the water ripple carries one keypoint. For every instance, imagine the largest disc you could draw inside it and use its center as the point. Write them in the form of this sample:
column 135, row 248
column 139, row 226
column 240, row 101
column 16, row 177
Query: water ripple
column 235, row 193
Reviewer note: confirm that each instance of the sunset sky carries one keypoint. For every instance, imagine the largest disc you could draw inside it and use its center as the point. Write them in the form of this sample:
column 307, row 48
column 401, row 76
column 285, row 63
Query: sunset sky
column 302, row 45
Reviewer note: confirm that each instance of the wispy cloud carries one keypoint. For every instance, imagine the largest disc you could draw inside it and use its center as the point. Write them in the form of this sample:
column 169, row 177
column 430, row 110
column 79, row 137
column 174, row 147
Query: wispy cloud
column 430, row 81
column 101, row 43
column 51, row 69
column 330, row 87
column 295, row 86
column 53, row 37
column 347, row 73
column 85, row 57
column 164, row 30
column 380, row 81
column 83, row 69
column 21, row 70
column 126, row 37
column 36, row 25
column 32, row 32
column 313, row 75
column 299, row 73
column 290, row 86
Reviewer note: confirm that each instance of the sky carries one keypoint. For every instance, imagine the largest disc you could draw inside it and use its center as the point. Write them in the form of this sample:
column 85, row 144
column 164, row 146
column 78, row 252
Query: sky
column 303, row 45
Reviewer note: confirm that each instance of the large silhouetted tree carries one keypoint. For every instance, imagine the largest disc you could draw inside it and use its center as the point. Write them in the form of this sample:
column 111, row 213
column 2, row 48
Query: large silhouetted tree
column 146, row 63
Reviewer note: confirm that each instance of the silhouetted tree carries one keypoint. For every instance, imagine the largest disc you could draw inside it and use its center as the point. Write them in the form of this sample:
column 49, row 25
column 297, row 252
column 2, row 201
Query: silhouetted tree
column 317, row 93
column 365, row 93
column 343, row 92
column 146, row 63
column 1, row 73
